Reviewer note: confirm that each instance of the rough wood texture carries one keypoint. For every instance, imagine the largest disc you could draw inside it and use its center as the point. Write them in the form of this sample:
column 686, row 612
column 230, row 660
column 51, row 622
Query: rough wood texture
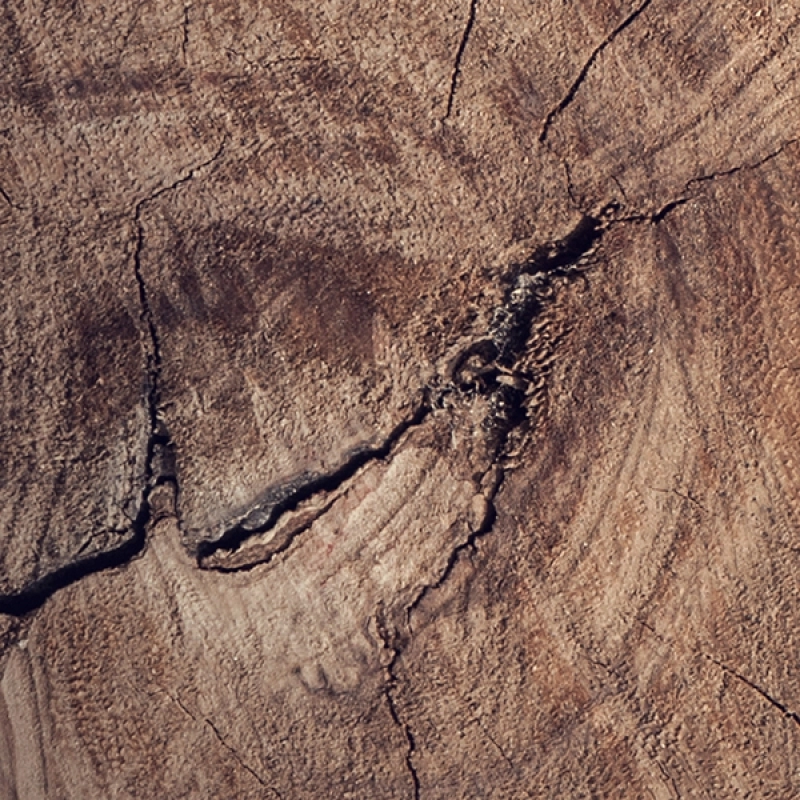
column 399, row 401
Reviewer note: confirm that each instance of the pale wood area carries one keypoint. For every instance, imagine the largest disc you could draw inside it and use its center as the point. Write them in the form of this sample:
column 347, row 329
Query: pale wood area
column 399, row 400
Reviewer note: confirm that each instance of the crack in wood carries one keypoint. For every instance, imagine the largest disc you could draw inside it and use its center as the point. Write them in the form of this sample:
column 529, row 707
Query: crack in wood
column 459, row 56
column 4, row 194
column 391, row 643
column 576, row 84
column 493, row 358
column 793, row 716
column 497, row 354
column 220, row 738
column 158, row 448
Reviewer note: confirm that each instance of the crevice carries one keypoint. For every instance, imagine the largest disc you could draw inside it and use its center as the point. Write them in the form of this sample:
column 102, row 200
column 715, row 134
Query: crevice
column 793, row 716
column 391, row 643
column 487, row 367
column 287, row 497
column 743, row 167
column 494, row 375
column 785, row 710
column 158, row 459
column 229, row 560
column 459, row 56
column 576, row 84
column 529, row 292
column 467, row 546
column 37, row 592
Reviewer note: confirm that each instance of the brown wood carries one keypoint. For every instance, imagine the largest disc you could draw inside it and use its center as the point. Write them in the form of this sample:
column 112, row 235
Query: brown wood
column 398, row 400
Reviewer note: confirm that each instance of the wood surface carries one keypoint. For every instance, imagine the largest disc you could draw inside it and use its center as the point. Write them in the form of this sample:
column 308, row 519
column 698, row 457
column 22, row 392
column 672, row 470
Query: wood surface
column 399, row 399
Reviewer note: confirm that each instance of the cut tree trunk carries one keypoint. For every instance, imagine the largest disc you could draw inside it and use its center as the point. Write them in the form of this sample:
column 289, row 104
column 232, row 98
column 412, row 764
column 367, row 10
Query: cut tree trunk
column 399, row 400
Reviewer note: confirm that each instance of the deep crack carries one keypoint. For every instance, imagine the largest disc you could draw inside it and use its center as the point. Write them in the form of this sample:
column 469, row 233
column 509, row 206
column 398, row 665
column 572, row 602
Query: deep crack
column 185, row 25
column 286, row 497
column 529, row 292
column 576, row 84
column 157, row 459
column 459, row 56
column 486, row 367
column 496, row 354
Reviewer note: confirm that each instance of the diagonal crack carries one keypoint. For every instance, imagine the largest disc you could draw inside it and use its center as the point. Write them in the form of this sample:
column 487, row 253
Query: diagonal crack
column 686, row 196
column 4, row 194
column 576, row 84
column 245, row 766
column 287, row 497
column 488, row 734
column 785, row 710
column 221, row 739
column 793, row 716
column 473, row 4
column 743, row 167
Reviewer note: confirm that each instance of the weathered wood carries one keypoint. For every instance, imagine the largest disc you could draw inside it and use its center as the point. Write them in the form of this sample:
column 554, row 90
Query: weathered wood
column 398, row 401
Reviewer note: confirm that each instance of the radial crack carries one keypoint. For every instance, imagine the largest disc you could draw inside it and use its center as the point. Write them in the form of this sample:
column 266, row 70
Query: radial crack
column 459, row 56
column 390, row 641
column 576, row 84
column 245, row 766
column 37, row 592
column 185, row 26
column 509, row 333
column 159, row 442
column 685, row 196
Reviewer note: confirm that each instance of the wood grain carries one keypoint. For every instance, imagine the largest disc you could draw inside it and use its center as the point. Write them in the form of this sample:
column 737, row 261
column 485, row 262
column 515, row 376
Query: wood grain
column 399, row 400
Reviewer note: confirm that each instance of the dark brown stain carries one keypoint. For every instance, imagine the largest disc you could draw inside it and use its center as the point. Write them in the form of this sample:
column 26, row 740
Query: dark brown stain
column 314, row 298
column 103, row 343
column 524, row 102
column 19, row 67
column 693, row 50
column 678, row 286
